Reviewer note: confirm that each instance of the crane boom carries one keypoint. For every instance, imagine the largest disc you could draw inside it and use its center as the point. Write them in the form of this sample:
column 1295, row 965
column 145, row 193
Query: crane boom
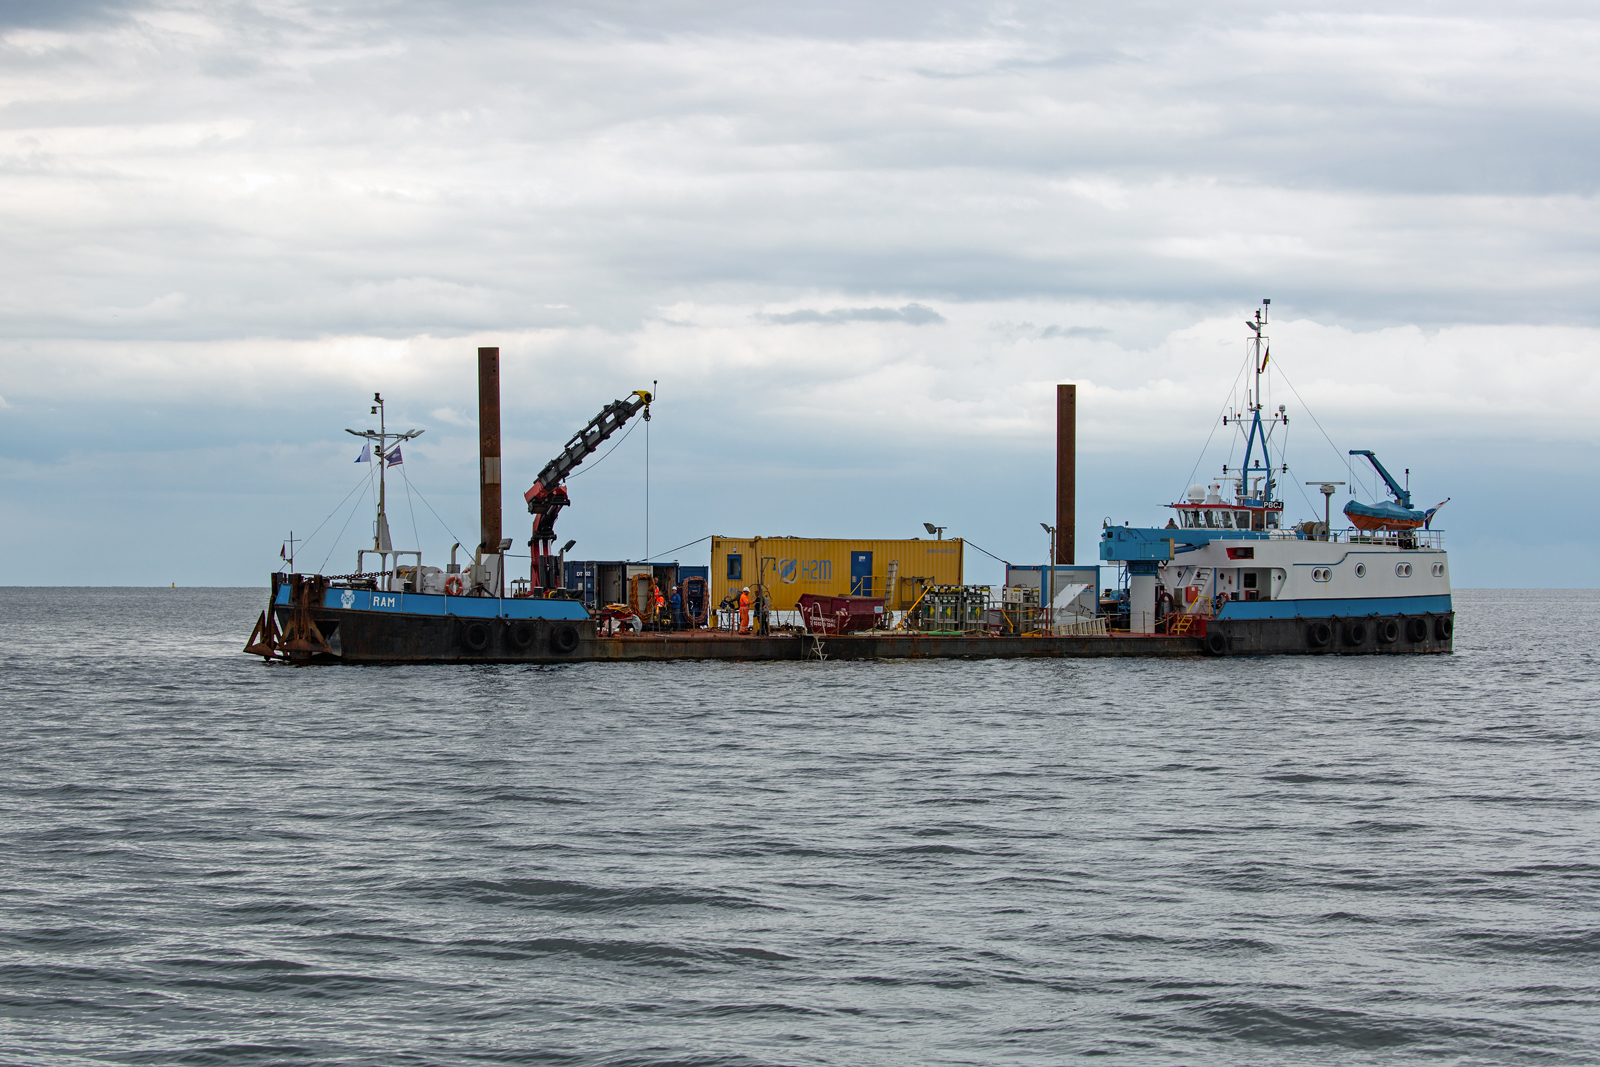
column 586, row 441
column 1401, row 496
column 547, row 496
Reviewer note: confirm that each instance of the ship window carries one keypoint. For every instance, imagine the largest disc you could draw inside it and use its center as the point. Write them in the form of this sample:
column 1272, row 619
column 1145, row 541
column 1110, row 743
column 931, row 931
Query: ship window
column 1243, row 519
column 1249, row 579
column 1321, row 574
column 1438, row 570
column 1361, row 570
column 1272, row 520
column 735, row 567
column 1402, row 570
column 1227, row 520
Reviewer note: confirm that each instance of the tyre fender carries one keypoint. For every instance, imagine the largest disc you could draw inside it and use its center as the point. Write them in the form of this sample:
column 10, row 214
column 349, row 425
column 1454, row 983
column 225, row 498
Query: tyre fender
column 564, row 638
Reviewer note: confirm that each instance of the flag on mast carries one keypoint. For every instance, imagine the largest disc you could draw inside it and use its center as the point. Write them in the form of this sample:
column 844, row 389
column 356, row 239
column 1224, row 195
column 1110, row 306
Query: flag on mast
column 394, row 456
column 366, row 453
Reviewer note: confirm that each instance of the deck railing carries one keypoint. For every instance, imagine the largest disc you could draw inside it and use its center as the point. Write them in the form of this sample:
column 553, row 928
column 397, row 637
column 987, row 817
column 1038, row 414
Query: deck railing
column 1399, row 538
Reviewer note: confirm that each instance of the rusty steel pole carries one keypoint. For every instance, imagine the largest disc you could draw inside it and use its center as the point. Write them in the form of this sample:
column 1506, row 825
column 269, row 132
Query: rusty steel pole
column 1066, row 473
column 489, row 448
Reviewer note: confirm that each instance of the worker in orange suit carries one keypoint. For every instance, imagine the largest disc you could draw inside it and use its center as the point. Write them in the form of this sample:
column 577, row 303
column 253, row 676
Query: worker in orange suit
column 744, row 611
column 660, row 606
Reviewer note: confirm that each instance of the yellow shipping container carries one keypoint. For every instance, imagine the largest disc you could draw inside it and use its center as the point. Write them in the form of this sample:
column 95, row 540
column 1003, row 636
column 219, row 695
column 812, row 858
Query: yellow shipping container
column 790, row 566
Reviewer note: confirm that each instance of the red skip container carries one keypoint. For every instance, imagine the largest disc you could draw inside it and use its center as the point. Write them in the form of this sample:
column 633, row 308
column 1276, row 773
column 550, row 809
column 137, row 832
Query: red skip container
column 840, row 614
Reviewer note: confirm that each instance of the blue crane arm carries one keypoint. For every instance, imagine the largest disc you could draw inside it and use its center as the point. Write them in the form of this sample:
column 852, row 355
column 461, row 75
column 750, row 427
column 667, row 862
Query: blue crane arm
column 1401, row 497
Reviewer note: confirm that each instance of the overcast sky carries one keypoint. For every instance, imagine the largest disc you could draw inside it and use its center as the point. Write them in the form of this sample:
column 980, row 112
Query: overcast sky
column 857, row 245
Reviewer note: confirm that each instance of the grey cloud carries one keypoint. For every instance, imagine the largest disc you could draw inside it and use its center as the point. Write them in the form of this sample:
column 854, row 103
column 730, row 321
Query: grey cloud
column 911, row 314
column 404, row 168
column 1072, row 331
column 35, row 14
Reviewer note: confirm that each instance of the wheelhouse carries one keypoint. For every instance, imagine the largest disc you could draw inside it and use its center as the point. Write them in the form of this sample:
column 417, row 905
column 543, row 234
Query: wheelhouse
column 1219, row 516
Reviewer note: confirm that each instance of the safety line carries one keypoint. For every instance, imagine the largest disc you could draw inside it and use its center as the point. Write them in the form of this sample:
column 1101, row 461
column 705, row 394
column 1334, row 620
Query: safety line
column 670, row 551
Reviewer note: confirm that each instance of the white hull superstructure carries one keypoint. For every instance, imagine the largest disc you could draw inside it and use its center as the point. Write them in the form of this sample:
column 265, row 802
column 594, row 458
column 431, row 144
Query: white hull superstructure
column 1222, row 564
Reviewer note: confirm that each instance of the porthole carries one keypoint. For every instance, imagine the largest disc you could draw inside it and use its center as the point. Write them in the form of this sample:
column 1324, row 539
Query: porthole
column 1402, row 570
column 1438, row 570
column 1321, row 574
column 1361, row 570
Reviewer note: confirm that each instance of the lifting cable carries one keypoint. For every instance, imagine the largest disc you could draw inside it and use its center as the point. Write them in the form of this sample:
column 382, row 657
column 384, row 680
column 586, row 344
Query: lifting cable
column 1349, row 472
column 986, row 552
column 427, row 505
column 669, row 551
column 594, row 463
column 1226, row 404
column 336, row 509
column 342, row 529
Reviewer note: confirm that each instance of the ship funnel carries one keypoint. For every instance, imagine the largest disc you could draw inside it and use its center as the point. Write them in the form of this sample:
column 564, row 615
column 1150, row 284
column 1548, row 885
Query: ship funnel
column 1066, row 473
column 489, row 449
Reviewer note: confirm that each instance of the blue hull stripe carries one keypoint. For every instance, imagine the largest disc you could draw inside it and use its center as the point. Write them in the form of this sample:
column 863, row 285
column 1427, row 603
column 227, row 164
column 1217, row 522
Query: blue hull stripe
column 1342, row 609
column 470, row 607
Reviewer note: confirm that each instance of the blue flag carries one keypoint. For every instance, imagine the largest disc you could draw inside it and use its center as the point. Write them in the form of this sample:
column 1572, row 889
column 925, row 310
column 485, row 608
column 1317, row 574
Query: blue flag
column 366, row 453
column 394, row 456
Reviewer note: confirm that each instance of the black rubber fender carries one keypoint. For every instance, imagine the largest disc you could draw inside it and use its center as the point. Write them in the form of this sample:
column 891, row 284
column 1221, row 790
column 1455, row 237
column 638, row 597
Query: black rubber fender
column 1355, row 634
column 1319, row 634
column 1216, row 644
column 564, row 639
column 522, row 634
column 476, row 636
column 1416, row 630
column 1388, row 631
column 1443, row 627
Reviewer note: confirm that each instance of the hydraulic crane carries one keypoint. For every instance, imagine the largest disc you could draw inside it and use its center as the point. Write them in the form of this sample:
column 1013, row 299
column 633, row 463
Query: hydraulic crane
column 549, row 495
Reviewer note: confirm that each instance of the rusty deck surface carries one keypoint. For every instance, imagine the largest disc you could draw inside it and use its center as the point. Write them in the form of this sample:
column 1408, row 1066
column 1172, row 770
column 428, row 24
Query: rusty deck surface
column 330, row 635
column 722, row 645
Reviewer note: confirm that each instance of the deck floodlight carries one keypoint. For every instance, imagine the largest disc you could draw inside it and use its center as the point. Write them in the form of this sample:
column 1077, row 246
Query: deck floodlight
column 568, row 546
column 937, row 531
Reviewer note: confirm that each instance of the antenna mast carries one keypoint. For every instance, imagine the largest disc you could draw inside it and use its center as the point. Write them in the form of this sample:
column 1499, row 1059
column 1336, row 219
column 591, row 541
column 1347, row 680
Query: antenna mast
column 1260, row 354
column 380, row 528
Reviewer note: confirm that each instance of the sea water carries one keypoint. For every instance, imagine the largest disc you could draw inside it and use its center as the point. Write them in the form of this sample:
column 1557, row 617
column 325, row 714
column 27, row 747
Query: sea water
column 1293, row 860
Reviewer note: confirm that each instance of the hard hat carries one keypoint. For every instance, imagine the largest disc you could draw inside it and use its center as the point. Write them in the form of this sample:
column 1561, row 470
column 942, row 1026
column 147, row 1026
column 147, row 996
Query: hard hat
column 747, row 589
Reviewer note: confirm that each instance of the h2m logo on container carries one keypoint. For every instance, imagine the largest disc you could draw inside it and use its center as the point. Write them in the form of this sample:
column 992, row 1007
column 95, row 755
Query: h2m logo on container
column 790, row 571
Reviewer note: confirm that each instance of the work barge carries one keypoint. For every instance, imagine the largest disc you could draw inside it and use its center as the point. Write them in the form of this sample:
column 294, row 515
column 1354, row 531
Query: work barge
column 1224, row 577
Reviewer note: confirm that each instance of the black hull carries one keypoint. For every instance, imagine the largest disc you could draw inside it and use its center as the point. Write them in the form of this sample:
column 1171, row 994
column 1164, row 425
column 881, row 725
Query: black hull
column 383, row 637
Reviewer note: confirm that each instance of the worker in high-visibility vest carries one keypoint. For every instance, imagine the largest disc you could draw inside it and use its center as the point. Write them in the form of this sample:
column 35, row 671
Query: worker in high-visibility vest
column 744, row 611
column 660, row 606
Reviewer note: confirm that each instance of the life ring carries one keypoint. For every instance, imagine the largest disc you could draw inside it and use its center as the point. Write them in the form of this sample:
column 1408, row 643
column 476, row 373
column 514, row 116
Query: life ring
column 564, row 639
column 1388, row 631
column 453, row 585
column 1216, row 644
column 1318, row 634
column 477, row 636
column 1355, row 634
column 1443, row 627
column 1417, row 630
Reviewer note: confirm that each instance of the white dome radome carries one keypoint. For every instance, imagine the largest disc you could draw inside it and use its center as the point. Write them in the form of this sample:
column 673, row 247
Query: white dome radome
column 1196, row 493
